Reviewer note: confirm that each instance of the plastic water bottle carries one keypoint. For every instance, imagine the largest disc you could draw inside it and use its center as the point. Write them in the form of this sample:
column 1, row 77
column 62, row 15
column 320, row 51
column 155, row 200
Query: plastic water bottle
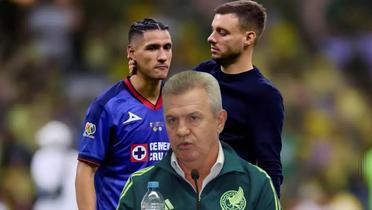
column 153, row 199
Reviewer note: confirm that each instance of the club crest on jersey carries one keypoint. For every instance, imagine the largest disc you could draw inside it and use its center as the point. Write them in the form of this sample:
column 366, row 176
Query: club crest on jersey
column 157, row 126
column 89, row 130
column 233, row 200
column 139, row 153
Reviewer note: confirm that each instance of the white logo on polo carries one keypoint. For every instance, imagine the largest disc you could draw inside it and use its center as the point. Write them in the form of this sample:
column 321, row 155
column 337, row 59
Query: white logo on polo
column 132, row 117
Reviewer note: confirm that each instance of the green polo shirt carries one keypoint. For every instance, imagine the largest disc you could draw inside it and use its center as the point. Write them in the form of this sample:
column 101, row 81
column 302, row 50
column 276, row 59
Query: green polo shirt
column 239, row 186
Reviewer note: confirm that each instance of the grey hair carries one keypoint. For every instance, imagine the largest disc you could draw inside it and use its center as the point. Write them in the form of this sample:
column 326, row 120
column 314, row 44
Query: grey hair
column 188, row 80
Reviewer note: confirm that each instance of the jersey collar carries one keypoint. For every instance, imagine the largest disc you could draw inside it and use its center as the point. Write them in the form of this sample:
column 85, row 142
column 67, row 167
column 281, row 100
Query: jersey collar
column 142, row 99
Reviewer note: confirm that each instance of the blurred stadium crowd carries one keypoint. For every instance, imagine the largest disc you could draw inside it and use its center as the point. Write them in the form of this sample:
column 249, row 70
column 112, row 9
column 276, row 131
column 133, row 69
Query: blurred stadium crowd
column 57, row 55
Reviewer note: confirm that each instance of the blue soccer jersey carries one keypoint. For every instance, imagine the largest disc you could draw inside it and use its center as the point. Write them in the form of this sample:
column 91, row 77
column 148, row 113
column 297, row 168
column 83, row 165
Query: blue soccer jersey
column 123, row 132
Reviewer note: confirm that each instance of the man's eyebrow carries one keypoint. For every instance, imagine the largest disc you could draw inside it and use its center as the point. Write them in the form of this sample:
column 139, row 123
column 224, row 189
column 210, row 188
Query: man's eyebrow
column 158, row 43
column 221, row 28
column 195, row 113
column 152, row 45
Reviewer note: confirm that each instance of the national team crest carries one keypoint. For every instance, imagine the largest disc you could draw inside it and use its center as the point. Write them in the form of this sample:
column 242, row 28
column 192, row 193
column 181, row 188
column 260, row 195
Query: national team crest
column 139, row 153
column 233, row 200
column 89, row 130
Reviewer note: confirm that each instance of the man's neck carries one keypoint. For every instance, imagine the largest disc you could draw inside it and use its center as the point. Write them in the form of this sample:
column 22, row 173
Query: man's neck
column 149, row 89
column 242, row 64
column 203, row 168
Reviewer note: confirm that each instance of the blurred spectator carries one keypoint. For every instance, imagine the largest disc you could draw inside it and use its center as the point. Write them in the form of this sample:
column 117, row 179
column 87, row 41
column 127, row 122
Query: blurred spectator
column 310, row 197
column 344, row 201
column 16, row 187
column 2, row 206
column 53, row 168
column 345, row 39
column 367, row 169
column 51, row 24
column 11, row 16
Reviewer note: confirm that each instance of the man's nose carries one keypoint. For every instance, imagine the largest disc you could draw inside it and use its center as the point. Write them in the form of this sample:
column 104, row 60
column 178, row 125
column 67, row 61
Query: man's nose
column 163, row 55
column 183, row 129
column 211, row 38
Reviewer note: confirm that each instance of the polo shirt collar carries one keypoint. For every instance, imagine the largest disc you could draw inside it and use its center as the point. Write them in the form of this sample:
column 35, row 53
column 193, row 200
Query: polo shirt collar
column 216, row 168
column 231, row 162
column 214, row 172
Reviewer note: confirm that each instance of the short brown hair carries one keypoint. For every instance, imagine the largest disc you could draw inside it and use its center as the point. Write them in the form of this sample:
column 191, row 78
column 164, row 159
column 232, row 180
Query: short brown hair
column 252, row 15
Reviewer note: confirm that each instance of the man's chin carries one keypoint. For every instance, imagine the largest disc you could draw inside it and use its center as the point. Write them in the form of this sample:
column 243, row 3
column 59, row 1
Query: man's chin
column 187, row 158
column 162, row 75
column 215, row 56
column 218, row 60
column 225, row 61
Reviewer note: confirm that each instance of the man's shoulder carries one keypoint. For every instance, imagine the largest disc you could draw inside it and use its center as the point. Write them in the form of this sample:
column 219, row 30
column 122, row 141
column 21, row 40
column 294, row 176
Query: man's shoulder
column 156, row 171
column 268, row 92
column 140, row 178
column 114, row 93
column 207, row 66
column 111, row 92
column 239, row 164
column 142, row 174
column 264, row 83
column 256, row 174
column 264, row 87
column 256, row 171
column 267, row 89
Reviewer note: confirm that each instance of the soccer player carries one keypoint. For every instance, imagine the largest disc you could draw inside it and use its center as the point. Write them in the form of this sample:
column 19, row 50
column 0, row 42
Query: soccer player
column 254, row 105
column 124, row 127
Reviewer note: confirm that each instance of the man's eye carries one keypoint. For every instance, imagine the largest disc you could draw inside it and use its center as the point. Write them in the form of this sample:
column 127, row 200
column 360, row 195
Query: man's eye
column 168, row 47
column 194, row 119
column 222, row 32
column 151, row 48
column 171, row 121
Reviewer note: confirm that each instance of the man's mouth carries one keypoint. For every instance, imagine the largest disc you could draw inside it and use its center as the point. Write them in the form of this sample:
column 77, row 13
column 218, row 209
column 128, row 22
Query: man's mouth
column 162, row 67
column 185, row 146
column 214, row 49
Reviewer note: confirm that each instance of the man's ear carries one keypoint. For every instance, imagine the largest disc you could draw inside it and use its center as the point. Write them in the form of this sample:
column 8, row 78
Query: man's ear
column 250, row 38
column 221, row 119
column 130, row 52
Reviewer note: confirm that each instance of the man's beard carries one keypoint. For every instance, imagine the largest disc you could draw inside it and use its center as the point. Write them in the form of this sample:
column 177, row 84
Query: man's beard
column 227, row 60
